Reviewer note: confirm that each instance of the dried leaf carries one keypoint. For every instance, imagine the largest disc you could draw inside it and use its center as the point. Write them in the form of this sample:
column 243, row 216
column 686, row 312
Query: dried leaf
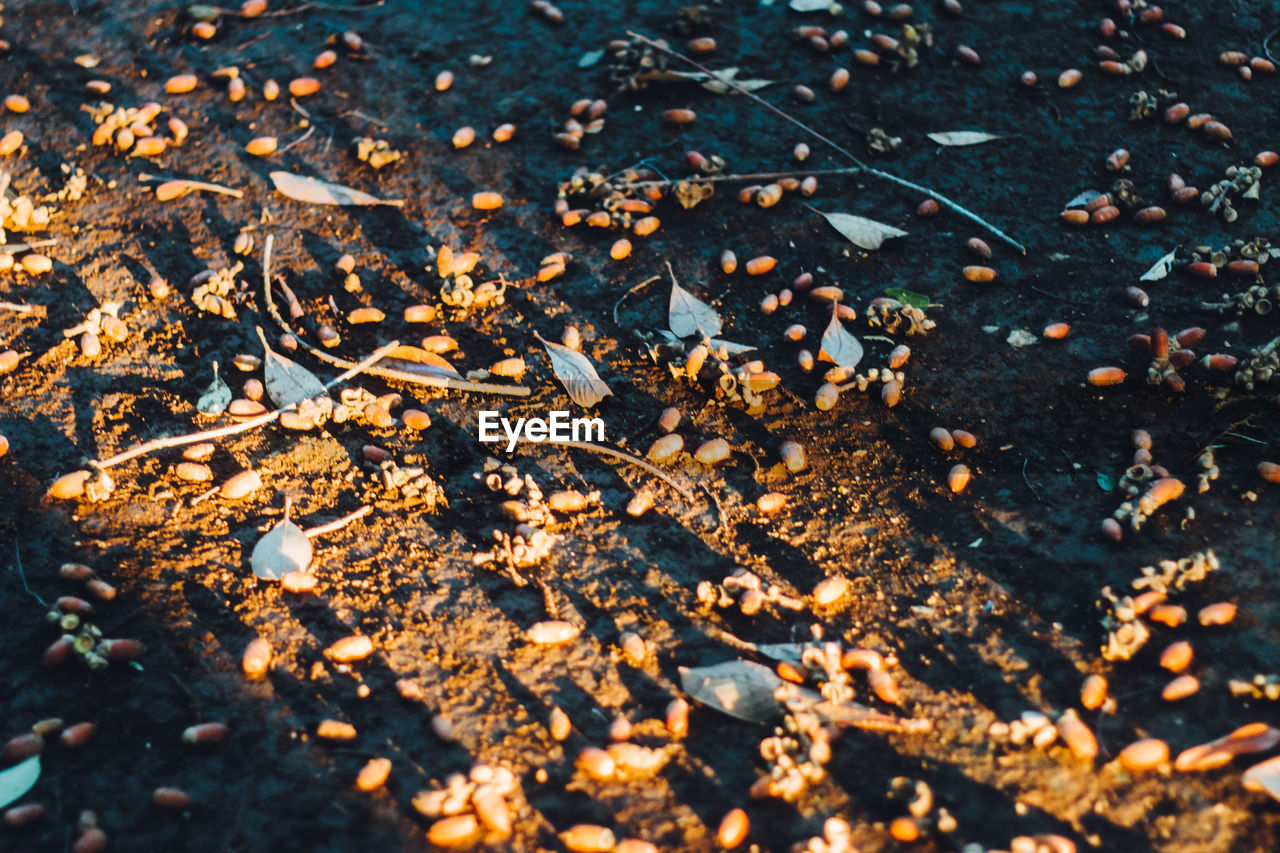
column 688, row 315
column 809, row 5
column 730, row 347
column 18, row 779
column 216, row 397
column 964, row 137
column 907, row 297
column 1160, row 268
column 739, row 688
column 284, row 548
column 287, row 382
column 315, row 191
column 715, row 82
column 862, row 232
column 421, row 356
column 839, row 346
column 576, row 373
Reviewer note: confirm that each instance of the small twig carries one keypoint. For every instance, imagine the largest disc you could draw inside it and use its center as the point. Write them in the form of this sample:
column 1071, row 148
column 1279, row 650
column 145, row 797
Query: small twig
column 1059, row 296
column 1266, row 49
column 338, row 523
column 293, row 102
column 634, row 460
column 1025, row 460
column 17, row 556
column 885, row 176
column 300, row 139
column 238, row 48
column 746, row 176
column 245, row 426
column 385, row 372
column 736, row 642
column 364, row 116
column 15, row 307
column 641, row 285
column 14, row 248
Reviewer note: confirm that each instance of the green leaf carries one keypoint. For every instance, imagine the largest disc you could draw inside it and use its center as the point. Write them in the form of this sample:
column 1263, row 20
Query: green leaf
column 907, row 297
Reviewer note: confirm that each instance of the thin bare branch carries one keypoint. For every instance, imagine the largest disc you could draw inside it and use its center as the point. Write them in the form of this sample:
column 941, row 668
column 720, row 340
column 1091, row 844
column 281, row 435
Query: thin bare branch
column 885, row 176
column 605, row 450
column 338, row 523
column 385, row 372
column 244, row 426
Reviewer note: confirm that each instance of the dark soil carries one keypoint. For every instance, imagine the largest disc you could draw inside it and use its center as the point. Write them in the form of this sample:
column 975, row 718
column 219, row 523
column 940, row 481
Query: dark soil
column 987, row 599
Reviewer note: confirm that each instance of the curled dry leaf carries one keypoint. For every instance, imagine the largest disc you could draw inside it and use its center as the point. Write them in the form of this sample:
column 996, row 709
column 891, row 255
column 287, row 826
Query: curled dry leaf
column 1160, row 268
column 315, row 191
column 964, row 137
column 688, row 315
column 15, row 781
column 287, row 381
column 862, row 232
column 430, row 361
column 285, row 548
column 717, row 82
column 576, row 373
column 216, row 397
column 839, row 346
column 739, row 688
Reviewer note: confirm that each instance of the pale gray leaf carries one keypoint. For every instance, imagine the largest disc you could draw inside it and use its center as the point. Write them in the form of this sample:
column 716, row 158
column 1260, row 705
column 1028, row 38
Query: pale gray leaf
column 576, row 373
column 730, row 347
column 839, row 346
column 18, row 779
column 315, row 191
column 809, row 5
column 688, row 315
column 1263, row 777
column 739, row 688
column 782, row 651
column 590, row 58
column 287, row 381
column 717, row 82
column 1160, row 268
column 862, row 232
column 964, row 137
column 216, row 397
column 283, row 549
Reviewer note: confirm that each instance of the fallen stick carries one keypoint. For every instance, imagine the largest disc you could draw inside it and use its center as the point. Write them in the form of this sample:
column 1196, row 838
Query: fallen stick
column 634, row 460
column 337, row 523
column 244, row 426
column 885, row 176
column 385, row 372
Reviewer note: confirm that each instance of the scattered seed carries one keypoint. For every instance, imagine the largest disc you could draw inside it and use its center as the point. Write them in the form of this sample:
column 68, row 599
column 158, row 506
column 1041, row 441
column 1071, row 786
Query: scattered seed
column 733, row 829
column 262, row 146
column 1144, row 755
column 1180, row 688
column 1177, row 656
column 257, row 658
column 374, row 774
column 679, row 116
column 1221, row 613
column 335, row 730
column 181, row 84
column 958, row 478
column 1093, row 692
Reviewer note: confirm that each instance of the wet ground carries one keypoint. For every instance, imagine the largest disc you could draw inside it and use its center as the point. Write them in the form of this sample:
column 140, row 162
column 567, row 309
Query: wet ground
column 984, row 601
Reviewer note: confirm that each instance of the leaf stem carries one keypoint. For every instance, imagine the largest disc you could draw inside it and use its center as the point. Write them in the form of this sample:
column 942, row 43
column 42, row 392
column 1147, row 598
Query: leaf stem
column 885, row 176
